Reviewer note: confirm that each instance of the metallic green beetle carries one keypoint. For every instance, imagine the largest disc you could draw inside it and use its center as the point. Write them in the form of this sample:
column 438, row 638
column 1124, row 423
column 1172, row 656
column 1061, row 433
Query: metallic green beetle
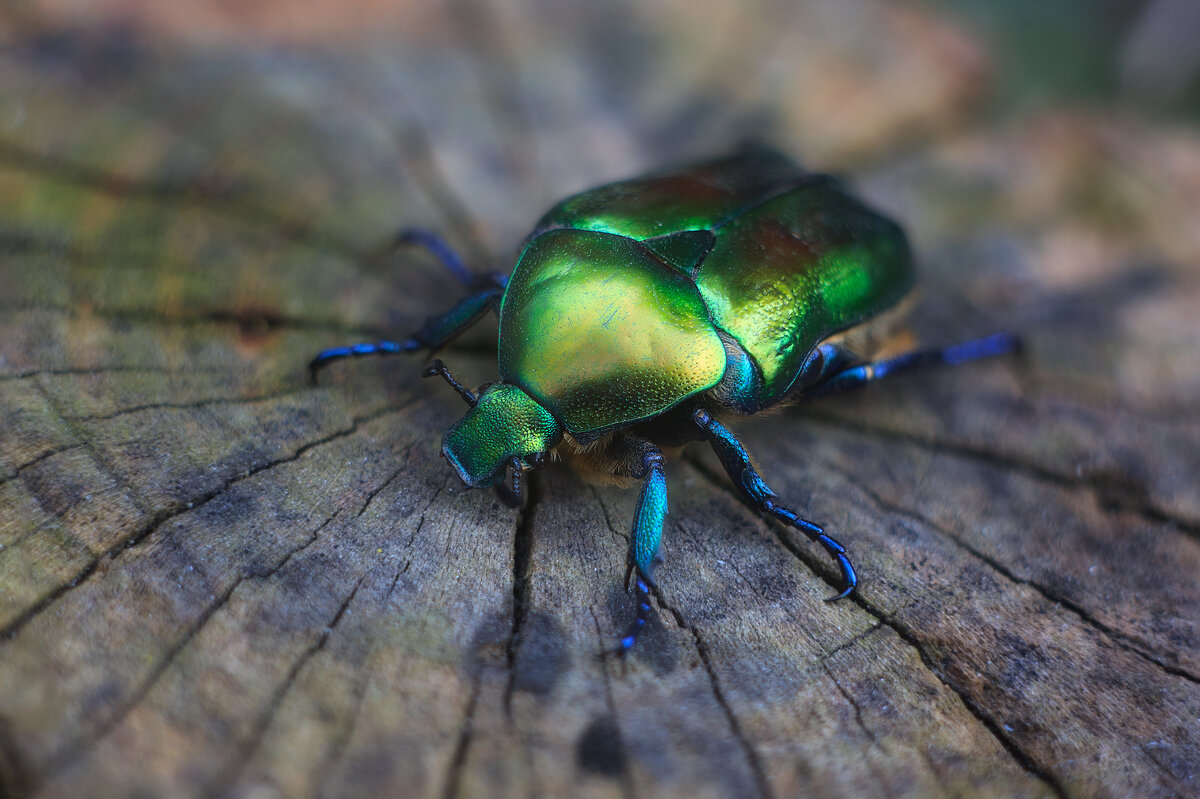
column 641, row 312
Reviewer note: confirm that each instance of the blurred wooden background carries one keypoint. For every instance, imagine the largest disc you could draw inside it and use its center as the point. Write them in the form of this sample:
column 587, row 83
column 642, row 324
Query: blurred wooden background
column 218, row 580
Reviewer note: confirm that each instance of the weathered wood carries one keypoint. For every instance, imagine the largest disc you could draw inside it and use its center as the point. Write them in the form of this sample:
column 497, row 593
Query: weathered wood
column 217, row 579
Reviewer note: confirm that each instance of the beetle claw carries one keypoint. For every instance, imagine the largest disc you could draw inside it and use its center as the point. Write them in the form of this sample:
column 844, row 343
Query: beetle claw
column 848, row 576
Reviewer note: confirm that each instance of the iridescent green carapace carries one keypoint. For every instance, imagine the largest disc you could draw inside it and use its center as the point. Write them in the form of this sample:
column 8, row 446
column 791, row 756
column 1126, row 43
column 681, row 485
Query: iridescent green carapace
column 641, row 312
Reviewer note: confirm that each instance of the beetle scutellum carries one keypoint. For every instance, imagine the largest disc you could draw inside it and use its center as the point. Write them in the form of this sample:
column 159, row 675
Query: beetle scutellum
column 642, row 313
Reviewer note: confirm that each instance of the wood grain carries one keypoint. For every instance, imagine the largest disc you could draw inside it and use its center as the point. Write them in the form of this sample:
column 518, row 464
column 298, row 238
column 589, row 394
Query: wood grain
column 219, row 580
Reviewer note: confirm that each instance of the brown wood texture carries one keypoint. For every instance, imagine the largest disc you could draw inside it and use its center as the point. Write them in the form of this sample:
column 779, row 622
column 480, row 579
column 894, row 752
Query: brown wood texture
column 219, row 580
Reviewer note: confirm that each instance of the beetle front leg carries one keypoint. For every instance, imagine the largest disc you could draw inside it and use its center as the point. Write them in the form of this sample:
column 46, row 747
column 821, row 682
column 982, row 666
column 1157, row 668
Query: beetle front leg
column 437, row 332
column 643, row 545
column 759, row 496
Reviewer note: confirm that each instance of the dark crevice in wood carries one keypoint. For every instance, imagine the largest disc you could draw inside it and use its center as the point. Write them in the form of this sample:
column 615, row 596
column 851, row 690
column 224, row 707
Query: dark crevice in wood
column 522, row 554
column 178, row 508
column 345, row 730
column 99, row 459
column 92, row 371
column 458, row 761
column 217, row 195
column 627, row 785
column 1022, row 758
column 851, row 641
column 608, row 519
column 248, row 322
column 247, row 748
column 202, row 403
column 1133, row 645
column 748, row 750
column 1101, row 489
column 858, row 720
column 1019, row 755
column 73, row 750
column 15, row 473
column 379, row 488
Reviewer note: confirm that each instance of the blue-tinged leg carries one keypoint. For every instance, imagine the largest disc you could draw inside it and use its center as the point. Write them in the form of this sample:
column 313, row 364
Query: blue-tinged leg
column 737, row 464
column 855, row 376
column 487, row 291
column 438, row 247
column 643, row 548
column 437, row 332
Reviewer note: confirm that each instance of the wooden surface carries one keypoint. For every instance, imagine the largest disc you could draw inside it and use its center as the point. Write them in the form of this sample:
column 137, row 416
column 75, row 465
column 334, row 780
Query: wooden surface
column 218, row 580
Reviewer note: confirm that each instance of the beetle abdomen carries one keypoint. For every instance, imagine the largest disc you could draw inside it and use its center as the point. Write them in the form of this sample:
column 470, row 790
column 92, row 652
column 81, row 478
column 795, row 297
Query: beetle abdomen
column 603, row 333
column 798, row 268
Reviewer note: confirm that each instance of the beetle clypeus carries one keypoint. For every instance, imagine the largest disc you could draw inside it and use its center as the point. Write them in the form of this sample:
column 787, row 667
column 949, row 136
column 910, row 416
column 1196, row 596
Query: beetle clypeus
column 643, row 313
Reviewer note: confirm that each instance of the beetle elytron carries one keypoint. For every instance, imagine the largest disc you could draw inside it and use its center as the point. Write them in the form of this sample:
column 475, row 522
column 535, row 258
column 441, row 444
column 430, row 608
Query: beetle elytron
column 642, row 313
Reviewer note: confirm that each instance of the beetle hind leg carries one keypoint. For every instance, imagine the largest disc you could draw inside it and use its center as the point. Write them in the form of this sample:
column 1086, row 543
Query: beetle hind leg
column 850, row 377
column 759, row 496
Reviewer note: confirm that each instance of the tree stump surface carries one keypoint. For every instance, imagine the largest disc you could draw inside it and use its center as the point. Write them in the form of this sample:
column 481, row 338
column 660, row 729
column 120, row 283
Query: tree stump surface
column 219, row 580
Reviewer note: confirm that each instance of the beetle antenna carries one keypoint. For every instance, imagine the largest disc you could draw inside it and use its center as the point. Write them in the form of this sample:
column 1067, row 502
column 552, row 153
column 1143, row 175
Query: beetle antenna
column 436, row 367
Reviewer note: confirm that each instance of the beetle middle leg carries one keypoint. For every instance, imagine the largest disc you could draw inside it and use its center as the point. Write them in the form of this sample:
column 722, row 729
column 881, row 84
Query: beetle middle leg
column 647, row 533
column 486, row 292
column 758, row 495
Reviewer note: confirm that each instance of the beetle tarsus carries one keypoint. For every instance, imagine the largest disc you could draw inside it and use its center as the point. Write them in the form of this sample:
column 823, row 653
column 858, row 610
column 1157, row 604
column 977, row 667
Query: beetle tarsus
column 642, row 615
column 326, row 357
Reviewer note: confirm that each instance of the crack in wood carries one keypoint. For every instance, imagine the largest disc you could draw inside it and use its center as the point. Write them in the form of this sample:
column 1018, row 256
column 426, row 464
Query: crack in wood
column 247, row 748
column 858, row 720
column 1019, row 755
column 1022, row 758
column 249, row 322
column 458, row 760
column 73, row 750
column 185, row 406
column 16, row 473
column 1093, row 484
column 1123, row 641
column 608, row 519
column 176, row 509
column 849, row 642
column 602, row 656
column 522, row 555
column 345, row 731
column 382, row 486
column 91, row 371
column 216, row 195
column 748, row 750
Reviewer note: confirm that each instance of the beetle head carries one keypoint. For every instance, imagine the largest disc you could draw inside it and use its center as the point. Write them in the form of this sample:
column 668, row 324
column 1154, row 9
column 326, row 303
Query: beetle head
column 504, row 424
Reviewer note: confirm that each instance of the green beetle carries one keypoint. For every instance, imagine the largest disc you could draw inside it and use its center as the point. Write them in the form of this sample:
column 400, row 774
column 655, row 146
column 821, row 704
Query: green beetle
column 642, row 313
